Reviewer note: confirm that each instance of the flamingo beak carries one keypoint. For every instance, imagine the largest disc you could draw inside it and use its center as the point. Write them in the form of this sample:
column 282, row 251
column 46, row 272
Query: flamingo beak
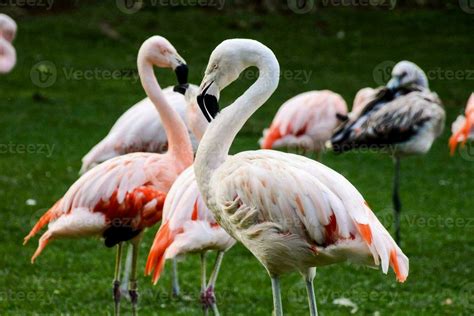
column 393, row 84
column 208, row 101
column 181, row 72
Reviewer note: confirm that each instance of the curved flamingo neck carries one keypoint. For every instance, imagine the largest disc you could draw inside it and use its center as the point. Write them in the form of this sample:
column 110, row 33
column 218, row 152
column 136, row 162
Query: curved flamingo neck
column 7, row 56
column 215, row 144
column 179, row 144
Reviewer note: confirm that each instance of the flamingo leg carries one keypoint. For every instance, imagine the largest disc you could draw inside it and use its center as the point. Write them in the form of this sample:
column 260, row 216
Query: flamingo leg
column 210, row 295
column 309, row 277
column 126, row 273
column 277, row 306
column 397, row 204
column 203, row 283
column 116, row 288
column 133, row 283
column 175, row 280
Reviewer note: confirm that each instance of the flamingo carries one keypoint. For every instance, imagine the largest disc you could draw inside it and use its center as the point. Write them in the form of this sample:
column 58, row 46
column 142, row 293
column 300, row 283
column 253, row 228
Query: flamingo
column 291, row 212
column 463, row 127
column 8, row 30
column 403, row 119
column 121, row 197
column 188, row 227
column 305, row 121
column 362, row 97
column 140, row 129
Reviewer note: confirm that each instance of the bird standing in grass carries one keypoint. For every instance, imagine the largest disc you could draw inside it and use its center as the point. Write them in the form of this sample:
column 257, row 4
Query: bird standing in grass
column 292, row 213
column 463, row 127
column 8, row 30
column 403, row 119
column 121, row 197
column 305, row 122
column 189, row 227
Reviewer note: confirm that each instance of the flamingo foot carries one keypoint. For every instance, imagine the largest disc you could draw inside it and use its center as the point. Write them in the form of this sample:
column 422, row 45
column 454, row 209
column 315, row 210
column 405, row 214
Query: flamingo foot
column 117, row 295
column 208, row 299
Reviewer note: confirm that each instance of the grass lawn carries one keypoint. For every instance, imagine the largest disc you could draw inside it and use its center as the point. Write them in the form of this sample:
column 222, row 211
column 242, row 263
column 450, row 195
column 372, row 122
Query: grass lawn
column 338, row 49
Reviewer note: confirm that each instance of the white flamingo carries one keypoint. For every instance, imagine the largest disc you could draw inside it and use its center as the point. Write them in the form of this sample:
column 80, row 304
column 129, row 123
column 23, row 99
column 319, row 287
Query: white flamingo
column 291, row 212
column 403, row 119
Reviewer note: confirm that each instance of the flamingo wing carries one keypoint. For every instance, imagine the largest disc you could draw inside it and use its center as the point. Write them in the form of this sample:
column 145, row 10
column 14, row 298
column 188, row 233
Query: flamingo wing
column 392, row 123
column 307, row 119
column 187, row 226
column 296, row 196
column 117, row 199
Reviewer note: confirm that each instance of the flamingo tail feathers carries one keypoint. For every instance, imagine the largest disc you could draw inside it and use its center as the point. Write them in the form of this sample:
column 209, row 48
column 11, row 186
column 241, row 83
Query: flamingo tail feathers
column 156, row 258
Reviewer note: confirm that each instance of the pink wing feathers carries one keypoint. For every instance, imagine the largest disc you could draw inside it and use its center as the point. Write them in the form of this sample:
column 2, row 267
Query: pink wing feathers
column 306, row 120
column 463, row 127
column 188, row 226
column 307, row 200
column 127, row 190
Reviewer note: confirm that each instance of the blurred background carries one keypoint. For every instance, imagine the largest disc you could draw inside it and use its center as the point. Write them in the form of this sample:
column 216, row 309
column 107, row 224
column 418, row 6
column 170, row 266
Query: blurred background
column 76, row 74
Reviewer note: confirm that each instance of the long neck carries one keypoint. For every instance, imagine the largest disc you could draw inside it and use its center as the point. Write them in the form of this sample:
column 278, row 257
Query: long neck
column 179, row 143
column 215, row 144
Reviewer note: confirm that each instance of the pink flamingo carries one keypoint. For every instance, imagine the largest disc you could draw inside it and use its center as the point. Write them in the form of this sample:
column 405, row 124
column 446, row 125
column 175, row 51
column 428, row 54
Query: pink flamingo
column 121, row 197
column 292, row 213
column 8, row 30
column 305, row 121
column 463, row 127
column 363, row 96
column 189, row 227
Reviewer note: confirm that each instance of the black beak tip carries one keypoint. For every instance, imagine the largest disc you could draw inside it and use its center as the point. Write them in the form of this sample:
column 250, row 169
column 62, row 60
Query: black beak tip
column 182, row 74
column 181, row 88
column 208, row 105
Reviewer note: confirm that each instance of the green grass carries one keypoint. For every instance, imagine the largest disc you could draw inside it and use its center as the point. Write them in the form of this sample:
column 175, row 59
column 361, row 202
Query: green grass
column 74, row 276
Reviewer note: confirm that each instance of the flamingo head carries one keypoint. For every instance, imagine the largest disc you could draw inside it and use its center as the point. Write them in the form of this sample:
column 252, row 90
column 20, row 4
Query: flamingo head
column 406, row 73
column 158, row 51
column 227, row 61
